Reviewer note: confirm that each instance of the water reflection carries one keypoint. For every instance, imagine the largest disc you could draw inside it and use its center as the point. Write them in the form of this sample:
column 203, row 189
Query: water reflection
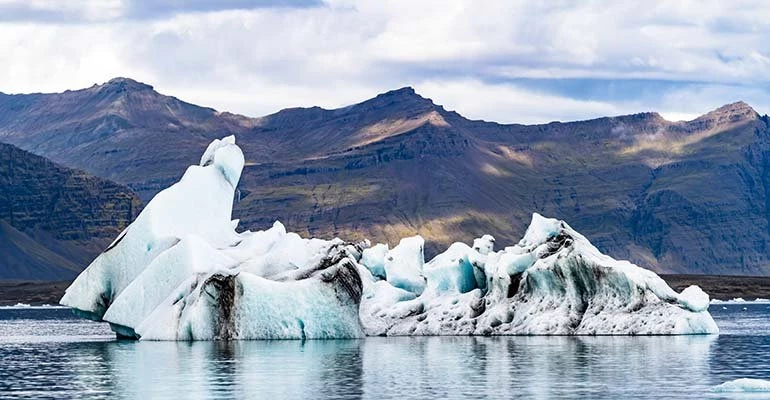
column 277, row 369
column 375, row 368
column 437, row 367
column 533, row 367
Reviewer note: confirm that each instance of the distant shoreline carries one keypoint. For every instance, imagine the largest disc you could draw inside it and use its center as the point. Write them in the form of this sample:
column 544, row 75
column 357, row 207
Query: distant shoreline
column 34, row 293
column 722, row 287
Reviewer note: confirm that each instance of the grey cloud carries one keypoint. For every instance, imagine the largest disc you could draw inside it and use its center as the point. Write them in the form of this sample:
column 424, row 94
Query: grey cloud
column 156, row 9
column 25, row 12
column 69, row 13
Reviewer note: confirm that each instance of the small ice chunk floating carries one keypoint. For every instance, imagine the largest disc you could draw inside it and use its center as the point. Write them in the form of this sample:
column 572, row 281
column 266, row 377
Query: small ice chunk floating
column 747, row 386
column 180, row 271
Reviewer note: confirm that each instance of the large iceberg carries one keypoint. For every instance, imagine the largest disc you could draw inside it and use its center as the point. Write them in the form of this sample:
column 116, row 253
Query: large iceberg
column 553, row 282
column 181, row 271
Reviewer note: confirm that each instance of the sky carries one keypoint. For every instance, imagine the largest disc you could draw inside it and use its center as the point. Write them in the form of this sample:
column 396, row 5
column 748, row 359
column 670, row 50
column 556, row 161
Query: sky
column 498, row 60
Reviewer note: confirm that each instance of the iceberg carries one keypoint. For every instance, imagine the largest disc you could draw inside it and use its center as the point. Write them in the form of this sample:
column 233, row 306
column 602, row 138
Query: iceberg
column 181, row 271
column 553, row 282
column 740, row 300
column 199, row 204
column 743, row 385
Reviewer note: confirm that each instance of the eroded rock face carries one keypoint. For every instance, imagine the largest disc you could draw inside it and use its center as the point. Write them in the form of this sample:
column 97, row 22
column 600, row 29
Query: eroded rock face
column 54, row 219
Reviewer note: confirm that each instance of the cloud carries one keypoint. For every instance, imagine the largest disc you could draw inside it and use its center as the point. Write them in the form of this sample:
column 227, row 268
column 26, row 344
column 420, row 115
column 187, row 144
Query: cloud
column 79, row 11
column 161, row 8
column 506, row 61
column 511, row 104
column 46, row 11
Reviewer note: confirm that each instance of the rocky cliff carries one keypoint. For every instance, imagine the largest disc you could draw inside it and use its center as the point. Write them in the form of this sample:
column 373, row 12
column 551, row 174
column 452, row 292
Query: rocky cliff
column 54, row 220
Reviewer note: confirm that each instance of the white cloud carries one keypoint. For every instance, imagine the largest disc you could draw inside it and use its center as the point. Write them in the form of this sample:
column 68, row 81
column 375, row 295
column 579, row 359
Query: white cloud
column 693, row 101
column 463, row 54
column 509, row 104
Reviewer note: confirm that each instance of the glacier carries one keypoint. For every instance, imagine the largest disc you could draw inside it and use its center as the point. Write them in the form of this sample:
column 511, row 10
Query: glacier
column 181, row 271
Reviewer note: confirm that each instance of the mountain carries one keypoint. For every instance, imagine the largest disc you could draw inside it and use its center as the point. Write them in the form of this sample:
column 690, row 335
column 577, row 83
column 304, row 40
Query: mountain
column 120, row 130
column 22, row 258
column 54, row 220
column 676, row 197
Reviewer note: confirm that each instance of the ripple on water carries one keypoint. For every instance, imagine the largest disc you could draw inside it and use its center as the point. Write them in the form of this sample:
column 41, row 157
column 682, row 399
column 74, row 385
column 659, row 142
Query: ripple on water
column 49, row 353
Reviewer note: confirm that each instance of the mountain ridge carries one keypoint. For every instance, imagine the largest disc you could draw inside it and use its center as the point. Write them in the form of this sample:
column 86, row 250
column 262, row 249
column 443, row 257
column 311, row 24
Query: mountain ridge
column 125, row 84
column 641, row 187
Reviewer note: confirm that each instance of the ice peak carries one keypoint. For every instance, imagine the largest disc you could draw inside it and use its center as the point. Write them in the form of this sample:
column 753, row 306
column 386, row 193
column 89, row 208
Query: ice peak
column 228, row 157
column 540, row 230
column 484, row 245
column 208, row 155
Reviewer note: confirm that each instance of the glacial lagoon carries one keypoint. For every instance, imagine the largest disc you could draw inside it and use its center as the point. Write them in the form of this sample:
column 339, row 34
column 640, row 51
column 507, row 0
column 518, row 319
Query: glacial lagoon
column 49, row 352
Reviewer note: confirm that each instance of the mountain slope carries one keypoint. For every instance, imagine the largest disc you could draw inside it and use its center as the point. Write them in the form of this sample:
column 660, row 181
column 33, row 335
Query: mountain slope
column 54, row 220
column 675, row 197
column 122, row 130
column 672, row 196
column 23, row 258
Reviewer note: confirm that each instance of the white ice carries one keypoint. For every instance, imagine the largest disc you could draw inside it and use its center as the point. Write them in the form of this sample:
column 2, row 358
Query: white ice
column 180, row 271
column 373, row 259
column 740, row 300
column 25, row 306
column 199, row 204
column 403, row 265
column 743, row 385
column 553, row 282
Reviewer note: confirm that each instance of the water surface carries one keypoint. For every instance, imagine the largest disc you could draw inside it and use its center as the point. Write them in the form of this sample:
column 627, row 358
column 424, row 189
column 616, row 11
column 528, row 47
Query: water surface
column 51, row 353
